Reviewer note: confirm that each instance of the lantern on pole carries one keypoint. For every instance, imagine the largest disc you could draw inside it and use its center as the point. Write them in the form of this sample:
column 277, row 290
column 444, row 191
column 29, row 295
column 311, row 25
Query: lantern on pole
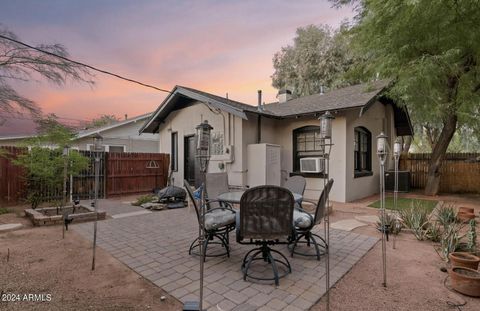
column 326, row 145
column 202, row 153
column 97, row 149
column 203, row 145
column 382, row 152
column 397, row 151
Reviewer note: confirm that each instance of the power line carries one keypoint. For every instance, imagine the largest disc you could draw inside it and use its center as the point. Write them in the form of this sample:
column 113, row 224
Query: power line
column 85, row 65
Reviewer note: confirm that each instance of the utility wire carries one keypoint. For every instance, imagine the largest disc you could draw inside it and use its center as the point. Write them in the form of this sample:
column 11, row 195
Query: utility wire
column 85, row 65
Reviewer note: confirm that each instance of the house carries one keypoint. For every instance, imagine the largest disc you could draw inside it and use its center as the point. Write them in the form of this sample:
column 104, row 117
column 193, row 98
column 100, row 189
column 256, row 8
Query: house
column 289, row 128
column 122, row 136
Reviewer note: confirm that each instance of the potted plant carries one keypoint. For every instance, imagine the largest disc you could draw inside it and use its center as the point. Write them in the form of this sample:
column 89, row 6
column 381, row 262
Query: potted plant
column 465, row 280
column 464, row 259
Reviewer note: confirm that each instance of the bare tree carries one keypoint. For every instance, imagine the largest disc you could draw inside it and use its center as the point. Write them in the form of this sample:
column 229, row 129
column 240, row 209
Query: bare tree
column 21, row 63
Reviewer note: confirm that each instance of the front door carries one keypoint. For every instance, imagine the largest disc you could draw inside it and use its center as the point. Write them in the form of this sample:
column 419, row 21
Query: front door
column 189, row 159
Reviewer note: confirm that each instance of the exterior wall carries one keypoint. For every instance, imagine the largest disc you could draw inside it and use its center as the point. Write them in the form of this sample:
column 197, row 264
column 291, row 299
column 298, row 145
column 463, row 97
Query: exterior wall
column 185, row 120
column 284, row 137
column 126, row 135
column 375, row 119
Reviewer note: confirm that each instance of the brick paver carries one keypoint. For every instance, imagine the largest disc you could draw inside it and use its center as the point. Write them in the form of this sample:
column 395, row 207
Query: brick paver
column 156, row 247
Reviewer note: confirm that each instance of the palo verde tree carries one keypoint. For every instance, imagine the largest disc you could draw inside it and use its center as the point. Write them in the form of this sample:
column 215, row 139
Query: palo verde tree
column 319, row 56
column 431, row 51
column 45, row 163
column 20, row 63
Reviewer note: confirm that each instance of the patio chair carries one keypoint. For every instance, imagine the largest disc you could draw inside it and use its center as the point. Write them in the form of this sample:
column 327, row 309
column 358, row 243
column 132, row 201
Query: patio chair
column 216, row 184
column 296, row 184
column 304, row 223
column 218, row 224
column 266, row 218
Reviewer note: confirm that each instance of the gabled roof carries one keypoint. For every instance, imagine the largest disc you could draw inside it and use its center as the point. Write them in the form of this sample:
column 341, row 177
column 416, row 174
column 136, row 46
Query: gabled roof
column 358, row 95
column 89, row 132
column 182, row 96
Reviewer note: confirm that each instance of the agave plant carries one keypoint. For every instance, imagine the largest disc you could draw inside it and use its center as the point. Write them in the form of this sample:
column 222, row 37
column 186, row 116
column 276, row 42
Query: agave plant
column 446, row 214
column 472, row 236
column 417, row 219
column 450, row 240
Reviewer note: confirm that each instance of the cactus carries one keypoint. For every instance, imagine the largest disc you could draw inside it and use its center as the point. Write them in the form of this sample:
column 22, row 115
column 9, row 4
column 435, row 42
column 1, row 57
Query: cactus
column 472, row 236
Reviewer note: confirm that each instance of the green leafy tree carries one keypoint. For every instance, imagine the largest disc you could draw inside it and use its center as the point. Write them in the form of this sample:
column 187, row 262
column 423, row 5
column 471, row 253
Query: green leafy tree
column 20, row 63
column 45, row 162
column 431, row 51
column 103, row 120
column 318, row 57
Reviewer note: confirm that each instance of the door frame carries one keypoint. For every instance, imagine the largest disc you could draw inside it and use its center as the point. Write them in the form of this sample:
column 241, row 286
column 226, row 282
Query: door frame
column 186, row 139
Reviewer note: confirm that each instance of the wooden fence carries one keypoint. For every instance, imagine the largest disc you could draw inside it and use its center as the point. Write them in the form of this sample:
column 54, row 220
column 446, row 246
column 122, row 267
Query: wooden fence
column 460, row 171
column 120, row 174
column 129, row 173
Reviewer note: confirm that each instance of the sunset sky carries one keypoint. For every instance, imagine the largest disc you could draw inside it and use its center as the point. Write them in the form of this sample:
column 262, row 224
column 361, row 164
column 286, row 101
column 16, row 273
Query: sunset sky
column 216, row 46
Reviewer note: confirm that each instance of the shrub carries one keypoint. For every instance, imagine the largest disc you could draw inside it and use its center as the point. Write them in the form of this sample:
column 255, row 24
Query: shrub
column 392, row 222
column 4, row 210
column 450, row 240
column 144, row 199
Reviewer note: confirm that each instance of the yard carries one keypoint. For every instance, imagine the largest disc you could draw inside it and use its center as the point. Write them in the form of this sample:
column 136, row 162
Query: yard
column 41, row 262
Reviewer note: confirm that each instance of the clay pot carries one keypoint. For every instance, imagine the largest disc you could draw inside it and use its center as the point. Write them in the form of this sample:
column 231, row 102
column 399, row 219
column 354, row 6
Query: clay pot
column 464, row 259
column 465, row 281
column 467, row 210
column 465, row 217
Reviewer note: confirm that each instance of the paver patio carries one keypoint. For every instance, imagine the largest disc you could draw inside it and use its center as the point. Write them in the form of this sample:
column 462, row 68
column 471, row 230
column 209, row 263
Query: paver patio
column 156, row 245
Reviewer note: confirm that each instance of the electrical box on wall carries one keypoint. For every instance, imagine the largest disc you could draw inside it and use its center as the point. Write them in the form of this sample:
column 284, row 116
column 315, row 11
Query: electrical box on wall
column 228, row 153
column 263, row 165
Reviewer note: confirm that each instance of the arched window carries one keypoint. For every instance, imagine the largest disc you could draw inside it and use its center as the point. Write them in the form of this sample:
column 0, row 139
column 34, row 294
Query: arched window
column 362, row 152
column 306, row 143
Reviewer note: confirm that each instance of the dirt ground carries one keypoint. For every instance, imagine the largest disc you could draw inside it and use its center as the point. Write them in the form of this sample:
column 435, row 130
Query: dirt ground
column 42, row 263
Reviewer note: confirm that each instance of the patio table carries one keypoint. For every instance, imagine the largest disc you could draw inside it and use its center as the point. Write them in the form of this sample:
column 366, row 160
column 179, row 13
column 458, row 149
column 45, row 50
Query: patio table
column 235, row 196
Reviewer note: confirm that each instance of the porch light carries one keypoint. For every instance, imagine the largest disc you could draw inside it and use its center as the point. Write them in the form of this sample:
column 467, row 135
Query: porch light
column 203, row 144
column 326, row 125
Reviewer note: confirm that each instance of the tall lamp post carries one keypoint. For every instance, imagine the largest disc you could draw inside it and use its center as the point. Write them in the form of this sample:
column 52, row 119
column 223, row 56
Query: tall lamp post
column 326, row 146
column 397, row 150
column 382, row 152
column 202, row 153
column 97, row 147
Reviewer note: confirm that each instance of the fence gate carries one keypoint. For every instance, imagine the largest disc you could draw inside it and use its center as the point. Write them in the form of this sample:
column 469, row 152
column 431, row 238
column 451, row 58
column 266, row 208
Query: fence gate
column 12, row 179
column 131, row 173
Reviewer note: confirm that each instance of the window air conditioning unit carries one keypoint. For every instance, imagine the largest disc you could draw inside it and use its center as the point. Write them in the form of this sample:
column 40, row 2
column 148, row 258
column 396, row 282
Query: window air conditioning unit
column 312, row 165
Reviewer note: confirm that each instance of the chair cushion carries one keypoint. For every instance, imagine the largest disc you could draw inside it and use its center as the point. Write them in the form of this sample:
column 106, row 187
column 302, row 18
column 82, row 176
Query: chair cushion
column 219, row 218
column 301, row 219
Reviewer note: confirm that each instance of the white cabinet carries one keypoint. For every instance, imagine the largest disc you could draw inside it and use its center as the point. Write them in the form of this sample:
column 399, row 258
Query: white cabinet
column 263, row 165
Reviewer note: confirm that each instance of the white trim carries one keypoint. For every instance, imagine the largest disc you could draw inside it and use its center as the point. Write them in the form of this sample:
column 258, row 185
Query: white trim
column 107, row 147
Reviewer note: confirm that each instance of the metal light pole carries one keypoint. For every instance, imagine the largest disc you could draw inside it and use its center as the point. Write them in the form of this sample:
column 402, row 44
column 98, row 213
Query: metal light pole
column 97, row 145
column 203, row 155
column 326, row 146
column 382, row 153
column 397, row 150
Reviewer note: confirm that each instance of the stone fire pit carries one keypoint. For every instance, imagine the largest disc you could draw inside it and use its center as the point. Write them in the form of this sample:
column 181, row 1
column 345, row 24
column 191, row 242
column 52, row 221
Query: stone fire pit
column 48, row 215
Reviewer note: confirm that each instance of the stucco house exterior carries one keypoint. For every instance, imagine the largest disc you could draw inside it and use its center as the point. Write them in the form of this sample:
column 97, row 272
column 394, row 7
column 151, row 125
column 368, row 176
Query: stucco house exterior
column 247, row 140
column 122, row 136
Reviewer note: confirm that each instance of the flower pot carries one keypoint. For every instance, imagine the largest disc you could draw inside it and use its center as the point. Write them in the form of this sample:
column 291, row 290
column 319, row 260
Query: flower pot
column 467, row 210
column 465, row 217
column 465, row 281
column 464, row 259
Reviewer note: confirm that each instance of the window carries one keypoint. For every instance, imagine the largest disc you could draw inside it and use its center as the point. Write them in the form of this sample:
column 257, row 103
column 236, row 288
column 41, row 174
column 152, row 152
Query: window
column 116, row 148
column 362, row 152
column 174, row 152
column 306, row 143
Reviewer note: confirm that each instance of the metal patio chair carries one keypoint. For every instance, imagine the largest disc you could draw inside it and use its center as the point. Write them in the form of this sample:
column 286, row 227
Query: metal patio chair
column 218, row 224
column 266, row 219
column 296, row 184
column 216, row 184
column 304, row 223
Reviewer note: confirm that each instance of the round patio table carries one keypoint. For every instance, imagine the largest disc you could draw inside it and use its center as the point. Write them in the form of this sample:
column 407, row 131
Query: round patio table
column 235, row 196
